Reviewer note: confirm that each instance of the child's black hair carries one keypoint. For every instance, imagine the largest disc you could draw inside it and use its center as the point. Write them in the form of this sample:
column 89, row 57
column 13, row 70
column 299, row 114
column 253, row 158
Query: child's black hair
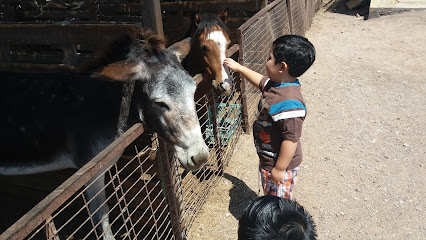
column 275, row 218
column 296, row 51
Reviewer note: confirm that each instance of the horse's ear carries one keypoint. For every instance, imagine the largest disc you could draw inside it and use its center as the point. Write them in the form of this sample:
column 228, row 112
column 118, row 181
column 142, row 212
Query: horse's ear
column 119, row 71
column 181, row 49
column 224, row 15
column 197, row 19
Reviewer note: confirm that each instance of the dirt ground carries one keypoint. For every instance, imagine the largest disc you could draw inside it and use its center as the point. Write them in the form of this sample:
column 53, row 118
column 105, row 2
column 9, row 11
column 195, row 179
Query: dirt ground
column 364, row 172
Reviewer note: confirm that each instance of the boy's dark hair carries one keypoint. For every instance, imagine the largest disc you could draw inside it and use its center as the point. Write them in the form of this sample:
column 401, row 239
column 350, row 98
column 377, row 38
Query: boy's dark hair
column 296, row 51
column 275, row 218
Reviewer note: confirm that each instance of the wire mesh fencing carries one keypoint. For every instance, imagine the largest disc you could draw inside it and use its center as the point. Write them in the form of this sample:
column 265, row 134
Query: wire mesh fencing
column 256, row 36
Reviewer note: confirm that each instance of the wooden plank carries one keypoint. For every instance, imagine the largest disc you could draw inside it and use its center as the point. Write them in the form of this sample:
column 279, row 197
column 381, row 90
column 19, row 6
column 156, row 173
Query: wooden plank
column 232, row 50
column 34, row 67
column 210, row 6
column 59, row 33
column 51, row 15
column 122, row 8
column 8, row 11
column 155, row 21
column 93, row 14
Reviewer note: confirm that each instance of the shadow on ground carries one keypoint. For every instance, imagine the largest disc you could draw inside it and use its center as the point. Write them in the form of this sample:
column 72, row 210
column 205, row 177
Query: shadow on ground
column 241, row 196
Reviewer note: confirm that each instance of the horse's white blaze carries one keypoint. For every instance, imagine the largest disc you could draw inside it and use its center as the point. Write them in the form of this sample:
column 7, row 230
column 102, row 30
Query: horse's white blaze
column 222, row 43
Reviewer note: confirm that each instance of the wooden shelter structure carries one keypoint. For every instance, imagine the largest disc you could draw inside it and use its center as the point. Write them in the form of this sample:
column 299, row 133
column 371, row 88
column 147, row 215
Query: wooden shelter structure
column 149, row 194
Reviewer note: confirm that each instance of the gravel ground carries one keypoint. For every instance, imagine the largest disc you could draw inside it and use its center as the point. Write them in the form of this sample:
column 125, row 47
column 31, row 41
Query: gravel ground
column 364, row 172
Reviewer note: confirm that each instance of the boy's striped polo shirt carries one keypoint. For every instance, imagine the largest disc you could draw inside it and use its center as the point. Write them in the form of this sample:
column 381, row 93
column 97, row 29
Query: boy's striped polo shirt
column 282, row 111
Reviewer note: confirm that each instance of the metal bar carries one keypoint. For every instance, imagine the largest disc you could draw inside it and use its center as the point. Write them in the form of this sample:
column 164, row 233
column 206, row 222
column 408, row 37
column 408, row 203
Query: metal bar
column 42, row 211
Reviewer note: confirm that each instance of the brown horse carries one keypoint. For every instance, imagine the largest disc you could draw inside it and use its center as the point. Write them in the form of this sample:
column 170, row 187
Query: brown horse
column 208, row 50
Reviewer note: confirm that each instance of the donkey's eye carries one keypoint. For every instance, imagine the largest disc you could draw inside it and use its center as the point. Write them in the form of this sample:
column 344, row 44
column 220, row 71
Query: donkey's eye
column 162, row 105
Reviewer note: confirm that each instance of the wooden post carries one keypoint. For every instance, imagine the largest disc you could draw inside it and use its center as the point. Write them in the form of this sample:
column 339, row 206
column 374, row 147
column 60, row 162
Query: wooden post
column 50, row 229
column 4, row 52
column 261, row 4
column 153, row 16
column 165, row 164
column 216, row 133
column 245, row 112
column 290, row 16
column 93, row 13
column 8, row 11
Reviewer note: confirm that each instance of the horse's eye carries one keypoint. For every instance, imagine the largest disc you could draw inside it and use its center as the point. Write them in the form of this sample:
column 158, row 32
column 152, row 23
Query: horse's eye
column 162, row 105
column 204, row 48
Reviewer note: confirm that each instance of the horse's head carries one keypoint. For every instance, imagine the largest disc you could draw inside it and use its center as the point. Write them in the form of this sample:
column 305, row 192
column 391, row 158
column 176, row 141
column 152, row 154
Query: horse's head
column 210, row 42
column 163, row 94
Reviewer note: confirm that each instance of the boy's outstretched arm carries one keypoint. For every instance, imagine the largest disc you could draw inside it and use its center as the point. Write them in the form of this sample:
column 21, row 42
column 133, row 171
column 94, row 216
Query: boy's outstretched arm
column 252, row 76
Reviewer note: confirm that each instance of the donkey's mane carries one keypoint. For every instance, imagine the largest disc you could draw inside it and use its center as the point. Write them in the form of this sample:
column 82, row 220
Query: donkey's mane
column 138, row 43
column 207, row 23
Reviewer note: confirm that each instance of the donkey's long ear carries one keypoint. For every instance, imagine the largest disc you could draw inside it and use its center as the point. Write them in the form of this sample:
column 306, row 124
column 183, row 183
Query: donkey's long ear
column 119, row 71
column 181, row 49
column 224, row 15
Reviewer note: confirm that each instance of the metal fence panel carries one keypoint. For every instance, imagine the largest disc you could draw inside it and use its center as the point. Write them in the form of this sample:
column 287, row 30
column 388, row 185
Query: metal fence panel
column 256, row 37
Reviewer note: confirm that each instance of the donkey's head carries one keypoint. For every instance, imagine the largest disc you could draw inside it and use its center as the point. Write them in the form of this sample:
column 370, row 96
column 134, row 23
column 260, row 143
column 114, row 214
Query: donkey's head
column 163, row 93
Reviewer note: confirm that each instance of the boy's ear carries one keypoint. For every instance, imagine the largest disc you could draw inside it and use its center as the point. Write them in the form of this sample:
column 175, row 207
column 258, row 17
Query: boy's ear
column 283, row 67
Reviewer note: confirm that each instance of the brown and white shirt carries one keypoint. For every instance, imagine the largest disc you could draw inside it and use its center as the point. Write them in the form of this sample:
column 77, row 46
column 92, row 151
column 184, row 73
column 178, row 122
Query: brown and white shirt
column 282, row 111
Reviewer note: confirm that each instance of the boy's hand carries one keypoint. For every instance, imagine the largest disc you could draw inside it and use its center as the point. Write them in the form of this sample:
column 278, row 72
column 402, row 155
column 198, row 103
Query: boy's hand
column 233, row 65
column 253, row 77
column 278, row 176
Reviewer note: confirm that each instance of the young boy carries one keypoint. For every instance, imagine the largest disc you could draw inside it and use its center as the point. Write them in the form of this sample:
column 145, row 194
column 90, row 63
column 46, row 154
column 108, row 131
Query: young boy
column 282, row 111
column 273, row 218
